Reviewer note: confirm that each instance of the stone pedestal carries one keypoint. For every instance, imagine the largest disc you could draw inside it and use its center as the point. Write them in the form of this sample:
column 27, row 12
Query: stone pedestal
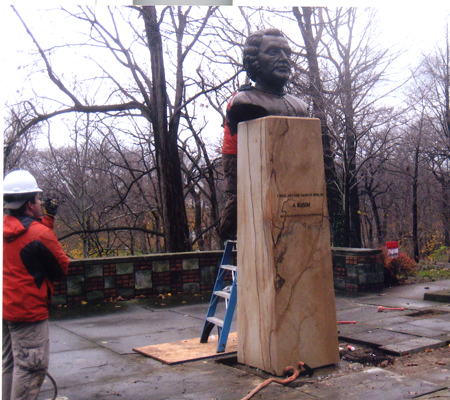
column 286, row 303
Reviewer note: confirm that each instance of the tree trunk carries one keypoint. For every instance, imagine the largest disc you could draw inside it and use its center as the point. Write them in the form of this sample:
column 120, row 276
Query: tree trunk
column 334, row 197
column 415, row 206
column 176, row 232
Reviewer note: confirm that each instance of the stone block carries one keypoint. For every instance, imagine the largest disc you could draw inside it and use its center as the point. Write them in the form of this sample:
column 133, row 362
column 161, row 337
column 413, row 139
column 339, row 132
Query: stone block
column 75, row 285
column 189, row 263
column 143, row 279
column 93, row 270
column 110, row 282
column 286, row 307
column 208, row 275
column 124, row 268
column 161, row 266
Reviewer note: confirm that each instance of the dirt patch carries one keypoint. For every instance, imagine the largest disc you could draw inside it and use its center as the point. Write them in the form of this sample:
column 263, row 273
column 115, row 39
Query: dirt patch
column 425, row 360
column 365, row 356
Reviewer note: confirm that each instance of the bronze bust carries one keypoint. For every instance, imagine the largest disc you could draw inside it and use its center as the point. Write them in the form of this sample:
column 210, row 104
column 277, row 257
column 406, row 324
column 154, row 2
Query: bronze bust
column 267, row 60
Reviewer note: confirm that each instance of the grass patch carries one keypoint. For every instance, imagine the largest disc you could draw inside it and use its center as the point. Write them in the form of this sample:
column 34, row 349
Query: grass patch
column 434, row 274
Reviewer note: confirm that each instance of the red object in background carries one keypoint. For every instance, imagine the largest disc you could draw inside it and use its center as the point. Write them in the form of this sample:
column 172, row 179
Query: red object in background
column 392, row 249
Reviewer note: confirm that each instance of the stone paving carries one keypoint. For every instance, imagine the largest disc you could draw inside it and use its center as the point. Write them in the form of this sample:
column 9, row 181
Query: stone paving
column 92, row 356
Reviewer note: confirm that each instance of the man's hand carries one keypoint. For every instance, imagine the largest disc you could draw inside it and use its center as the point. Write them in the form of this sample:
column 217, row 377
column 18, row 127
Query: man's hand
column 51, row 207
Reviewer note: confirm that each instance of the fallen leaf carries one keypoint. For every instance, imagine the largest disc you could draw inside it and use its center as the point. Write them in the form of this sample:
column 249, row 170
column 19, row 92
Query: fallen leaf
column 441, row 363
column 428, row 350
column 411, row 364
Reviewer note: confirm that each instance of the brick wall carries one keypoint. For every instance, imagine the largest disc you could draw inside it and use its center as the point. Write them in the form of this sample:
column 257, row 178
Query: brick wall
column 358, row 270
column 95, row 279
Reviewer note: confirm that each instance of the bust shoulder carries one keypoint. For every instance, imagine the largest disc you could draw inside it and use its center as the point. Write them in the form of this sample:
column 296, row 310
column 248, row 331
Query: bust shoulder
column 301, row 107
column 246, row 96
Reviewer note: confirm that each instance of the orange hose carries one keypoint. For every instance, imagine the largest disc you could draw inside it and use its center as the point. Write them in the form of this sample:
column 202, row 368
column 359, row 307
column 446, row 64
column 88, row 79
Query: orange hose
column 293, row 377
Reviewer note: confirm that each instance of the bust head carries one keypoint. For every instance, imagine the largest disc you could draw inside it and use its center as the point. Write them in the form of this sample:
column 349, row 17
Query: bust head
column 266, row 58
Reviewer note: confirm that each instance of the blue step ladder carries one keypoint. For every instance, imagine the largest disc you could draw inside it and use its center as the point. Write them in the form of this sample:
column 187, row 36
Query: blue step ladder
column 228, row 293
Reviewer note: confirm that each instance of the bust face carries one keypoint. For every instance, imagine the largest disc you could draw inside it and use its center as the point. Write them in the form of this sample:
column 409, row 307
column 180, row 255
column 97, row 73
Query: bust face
column 274, row 58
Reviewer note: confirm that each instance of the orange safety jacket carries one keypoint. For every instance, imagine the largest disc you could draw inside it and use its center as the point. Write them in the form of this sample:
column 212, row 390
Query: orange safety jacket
column 229, row 145
column 32, row 259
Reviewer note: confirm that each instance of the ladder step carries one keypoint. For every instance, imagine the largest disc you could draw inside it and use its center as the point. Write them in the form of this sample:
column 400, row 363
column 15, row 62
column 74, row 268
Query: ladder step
column 215, row 321
column 221, row 293
column 223, row 326
column 229, row 267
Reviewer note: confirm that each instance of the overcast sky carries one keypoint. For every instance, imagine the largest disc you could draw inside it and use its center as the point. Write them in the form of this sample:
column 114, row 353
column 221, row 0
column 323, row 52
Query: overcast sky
column 414, row 29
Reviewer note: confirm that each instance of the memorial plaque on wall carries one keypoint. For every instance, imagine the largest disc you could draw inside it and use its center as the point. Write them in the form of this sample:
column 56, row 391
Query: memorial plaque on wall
column 286, row 303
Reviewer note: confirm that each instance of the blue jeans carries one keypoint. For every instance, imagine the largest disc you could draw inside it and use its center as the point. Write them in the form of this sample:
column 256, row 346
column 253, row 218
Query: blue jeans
column 25, row 359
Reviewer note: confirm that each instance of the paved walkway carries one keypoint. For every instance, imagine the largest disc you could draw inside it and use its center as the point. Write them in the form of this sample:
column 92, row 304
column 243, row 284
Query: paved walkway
column 92, row 356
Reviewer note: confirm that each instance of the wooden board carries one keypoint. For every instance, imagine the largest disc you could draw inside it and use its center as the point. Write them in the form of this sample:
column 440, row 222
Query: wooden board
column 187, row 350
column 286, row 304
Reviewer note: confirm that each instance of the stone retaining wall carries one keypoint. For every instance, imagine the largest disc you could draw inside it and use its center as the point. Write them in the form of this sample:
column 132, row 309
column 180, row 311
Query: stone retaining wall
column 358, row 270
column 95, row 279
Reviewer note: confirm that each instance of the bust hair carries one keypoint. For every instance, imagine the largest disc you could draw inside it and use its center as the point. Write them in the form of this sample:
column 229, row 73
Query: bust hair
column 251, row 48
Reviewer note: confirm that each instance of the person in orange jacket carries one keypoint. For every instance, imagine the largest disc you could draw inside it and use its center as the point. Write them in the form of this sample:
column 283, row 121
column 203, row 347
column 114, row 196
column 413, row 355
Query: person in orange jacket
column 32, row 259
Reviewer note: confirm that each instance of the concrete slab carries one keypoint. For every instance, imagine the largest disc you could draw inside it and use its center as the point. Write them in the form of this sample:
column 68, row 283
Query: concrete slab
column 125, row 345
column 416, row 330
column 133, row 324
column 195, row 310
column 371, row 384
column 439, row 395
column 432, row 323
column 408, row 304
column 345, row 304
column 412, row 346
column 439, row 375
column 349, row 329
column 378, row 337
column 441, row 296
column 62, row 340
column 83, row 367
column 202, row 380
column 86, row 368
column 359, row 314
column 444, row 316
column 382, row 320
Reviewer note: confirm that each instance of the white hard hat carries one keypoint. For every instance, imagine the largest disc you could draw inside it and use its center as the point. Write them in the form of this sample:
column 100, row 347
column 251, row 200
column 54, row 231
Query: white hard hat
column 20, row 181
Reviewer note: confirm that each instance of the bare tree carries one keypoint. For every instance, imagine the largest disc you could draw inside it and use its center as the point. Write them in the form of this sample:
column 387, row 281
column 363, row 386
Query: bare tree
column 355, row 67
column 17, row 142
column 311, row 23
column 148, row 96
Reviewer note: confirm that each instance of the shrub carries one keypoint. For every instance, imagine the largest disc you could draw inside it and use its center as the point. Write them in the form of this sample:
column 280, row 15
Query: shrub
column 440, row 254
column 398, row 268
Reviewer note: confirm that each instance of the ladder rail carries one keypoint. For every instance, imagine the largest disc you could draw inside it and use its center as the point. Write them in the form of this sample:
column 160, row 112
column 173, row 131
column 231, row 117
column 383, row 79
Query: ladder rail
column 230, row 297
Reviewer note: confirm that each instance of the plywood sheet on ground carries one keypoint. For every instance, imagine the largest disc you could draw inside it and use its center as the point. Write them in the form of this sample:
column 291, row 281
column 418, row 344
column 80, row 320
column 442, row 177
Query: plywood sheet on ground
column 187, row 350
